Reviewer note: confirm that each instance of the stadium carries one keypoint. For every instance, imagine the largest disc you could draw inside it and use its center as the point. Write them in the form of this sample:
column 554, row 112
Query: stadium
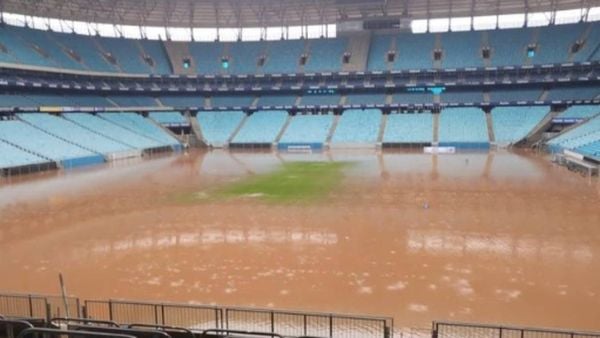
column 300, row 168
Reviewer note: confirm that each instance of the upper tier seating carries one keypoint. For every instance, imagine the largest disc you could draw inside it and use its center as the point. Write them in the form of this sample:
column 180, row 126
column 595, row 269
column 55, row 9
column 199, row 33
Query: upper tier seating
column 261, row 127
column 461, row 50
column 361, row 99
column 573, row 93
column 463, row 125
column 554, row 43
column 243, row 57
column 512, row 124
column 112, row 130
column 580, row 112
column 24, row 135
column 412, row 98
column 514, row 95
column 12, row 156
column 325, row 55
column 414, row 51
column 307, row 129
column 172, row 118
column 207, row 57
column 231, row 101
column 89, row 101
column 68, row 130
column 12, row 100
column 217, row 126
column 277, row 100
column 578, row 137
column 127, row 54
column 55, row 54
column 283, row 56
column 589, row 51
column 509, row 46
column 133, row 101
column 182, row 100
column 156, row 50
column 320, row 100
column 88, row 51
column 409, row 128
column 358, row 126
column 141, row 126
column 380, row 46
column 461, row 97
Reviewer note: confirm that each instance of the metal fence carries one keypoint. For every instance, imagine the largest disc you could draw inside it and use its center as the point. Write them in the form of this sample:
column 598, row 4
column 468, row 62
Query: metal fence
column 38, row 306
column 287, row 323
column 469, row 330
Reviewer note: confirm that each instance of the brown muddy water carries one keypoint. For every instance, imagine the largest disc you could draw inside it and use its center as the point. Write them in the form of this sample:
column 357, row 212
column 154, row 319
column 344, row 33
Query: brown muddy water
column 507, row 237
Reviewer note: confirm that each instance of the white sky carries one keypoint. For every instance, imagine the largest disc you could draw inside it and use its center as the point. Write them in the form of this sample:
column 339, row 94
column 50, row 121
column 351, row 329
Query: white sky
column 296, row 32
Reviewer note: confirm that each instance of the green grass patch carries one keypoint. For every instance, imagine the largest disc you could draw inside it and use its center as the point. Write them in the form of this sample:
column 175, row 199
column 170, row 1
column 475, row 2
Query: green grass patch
column 291, row 182
column 295, row 181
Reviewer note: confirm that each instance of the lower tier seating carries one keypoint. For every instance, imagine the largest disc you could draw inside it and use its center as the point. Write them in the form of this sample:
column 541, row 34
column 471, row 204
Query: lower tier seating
column 358, row 126
column 261, row 127
column 409, row 128
column 463, row 127
column 512, row 124
column 218, row 126
column 311, row 129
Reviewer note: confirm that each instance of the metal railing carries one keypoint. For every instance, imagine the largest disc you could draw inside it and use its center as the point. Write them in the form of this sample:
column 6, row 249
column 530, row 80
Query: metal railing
column 470, row 330
column 201, row 317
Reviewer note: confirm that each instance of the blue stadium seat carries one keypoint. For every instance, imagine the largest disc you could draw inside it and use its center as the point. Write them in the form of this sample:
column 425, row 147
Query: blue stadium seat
column 218, row 126
column 512, row 124
column 325, row 55
column 142, row 126
column 409, row 128
column 15, row 157
column 358, row 127
column 461, row 50
column 463, row 127
column 580, row 112
column 171, row 118
column 261, row 127
column 283, row 56
column 307, row 129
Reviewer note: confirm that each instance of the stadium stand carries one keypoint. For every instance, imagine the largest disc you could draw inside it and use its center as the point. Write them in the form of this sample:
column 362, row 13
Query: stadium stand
column 277, row 100
column 89, row 101
column 218, row 127
column 366, row 99
column 112, row 130
column 357, row 127
column 307, row 129
column 14, row 100
column 320, row 100
column 34, row 140
column 68, row 130
column 463, row 128
column 48, row 48
column 156, row 51
column 580, row 112
column 207, row 56
column 409, row 128
column 583, row 138
column 512, row 124
column 588, row 51
column 509, row 46
column 182, row 100
column 461, row 97
column 243, row 57
column 325, row 55
column 380, row 46
column 262, row 127
column 283, row 56
column 16, row 157
column 87, row 50
column 414, row 51
column 412, row 98
column 141, row 126
column 126, row 54
column 461, row 50
column 133, row 101
column 231, row 101
column 554, row 43
column 173, row 118
column 573, row 93
column 515, row 95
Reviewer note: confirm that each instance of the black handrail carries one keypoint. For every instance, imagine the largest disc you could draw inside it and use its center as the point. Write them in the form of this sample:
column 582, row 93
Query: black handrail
column 166, row 328
column 121, row 330
column 71, row 333
column 251, row 333
column 84, row 321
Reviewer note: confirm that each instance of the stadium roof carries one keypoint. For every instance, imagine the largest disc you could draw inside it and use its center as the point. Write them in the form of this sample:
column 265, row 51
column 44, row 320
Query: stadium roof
column 262, row 13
